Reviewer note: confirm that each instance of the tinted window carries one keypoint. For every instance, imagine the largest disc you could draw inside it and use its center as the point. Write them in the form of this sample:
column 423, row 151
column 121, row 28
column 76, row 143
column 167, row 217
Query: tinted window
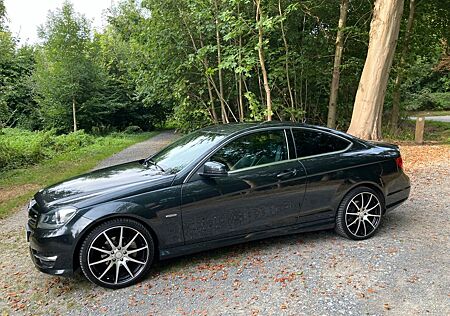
column 178, row 155
column 310, row 142
column 253, row 150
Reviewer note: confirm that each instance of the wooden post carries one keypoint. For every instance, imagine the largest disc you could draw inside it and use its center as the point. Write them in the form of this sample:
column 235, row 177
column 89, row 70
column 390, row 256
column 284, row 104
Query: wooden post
column 420, row 126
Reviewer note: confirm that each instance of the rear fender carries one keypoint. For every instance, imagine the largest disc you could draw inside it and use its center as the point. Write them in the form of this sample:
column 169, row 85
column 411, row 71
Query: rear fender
column 361, row 176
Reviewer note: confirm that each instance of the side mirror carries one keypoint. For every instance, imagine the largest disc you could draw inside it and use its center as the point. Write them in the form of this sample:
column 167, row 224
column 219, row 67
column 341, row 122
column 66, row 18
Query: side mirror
column 214, row 169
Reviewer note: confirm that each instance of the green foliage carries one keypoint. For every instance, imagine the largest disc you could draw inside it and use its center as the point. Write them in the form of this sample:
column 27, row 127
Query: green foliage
column 16, row 66
column 189, row 116
column 426, row 88
column 121, row 106
column 2, row 13
column 17, row 106
column 92, row 73
column 423, row 84
column 65, row 74
column 176, row 54
column 256, row 110
column 426, row 100
column 133, row 129
column 19, row 148
column 157, row 60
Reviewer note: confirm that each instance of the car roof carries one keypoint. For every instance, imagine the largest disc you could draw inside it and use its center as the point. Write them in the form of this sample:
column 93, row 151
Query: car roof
column 233, row 128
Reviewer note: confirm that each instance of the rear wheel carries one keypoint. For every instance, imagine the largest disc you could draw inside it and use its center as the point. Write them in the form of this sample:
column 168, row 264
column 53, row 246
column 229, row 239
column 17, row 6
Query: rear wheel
column 116, row 254
column 359, row 214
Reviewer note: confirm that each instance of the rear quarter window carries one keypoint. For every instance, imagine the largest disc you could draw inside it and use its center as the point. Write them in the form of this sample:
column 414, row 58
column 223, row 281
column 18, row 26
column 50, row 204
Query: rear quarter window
column 310, row 143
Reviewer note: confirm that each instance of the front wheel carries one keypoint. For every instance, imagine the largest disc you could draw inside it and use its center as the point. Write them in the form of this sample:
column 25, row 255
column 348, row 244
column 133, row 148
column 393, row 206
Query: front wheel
column 116, row 254
column 359, row 214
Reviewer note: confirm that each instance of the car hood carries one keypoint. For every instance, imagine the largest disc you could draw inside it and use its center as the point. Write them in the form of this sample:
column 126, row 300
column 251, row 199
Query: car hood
column 103, row 184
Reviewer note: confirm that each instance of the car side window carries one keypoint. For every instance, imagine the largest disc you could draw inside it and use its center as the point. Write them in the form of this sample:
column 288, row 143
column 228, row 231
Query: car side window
column 252, row 150
column 309, row 142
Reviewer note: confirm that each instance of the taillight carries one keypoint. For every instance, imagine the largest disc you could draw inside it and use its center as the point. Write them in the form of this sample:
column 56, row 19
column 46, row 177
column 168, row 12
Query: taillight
column 399, row 162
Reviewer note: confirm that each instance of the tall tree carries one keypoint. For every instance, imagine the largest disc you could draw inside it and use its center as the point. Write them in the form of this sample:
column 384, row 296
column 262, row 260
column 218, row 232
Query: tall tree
column 2, row 13
column 334, row 90
column 368, row 108
column 262, row 61
column 219, row 63
column 286, row 63
column 401, row 66
column 65, row 76
column 7, row 48
column 17, row 107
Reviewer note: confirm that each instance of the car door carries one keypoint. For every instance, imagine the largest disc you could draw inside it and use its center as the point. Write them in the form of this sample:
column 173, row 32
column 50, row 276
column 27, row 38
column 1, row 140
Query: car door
column 324, row 156
column 264, row 189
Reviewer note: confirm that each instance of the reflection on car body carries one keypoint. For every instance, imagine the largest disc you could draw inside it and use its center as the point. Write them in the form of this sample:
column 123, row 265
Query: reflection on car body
column 220, row 185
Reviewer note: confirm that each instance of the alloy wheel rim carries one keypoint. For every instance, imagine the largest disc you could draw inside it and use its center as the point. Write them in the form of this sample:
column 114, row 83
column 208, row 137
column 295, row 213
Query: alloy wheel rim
column 363, row 214
column 118, row 255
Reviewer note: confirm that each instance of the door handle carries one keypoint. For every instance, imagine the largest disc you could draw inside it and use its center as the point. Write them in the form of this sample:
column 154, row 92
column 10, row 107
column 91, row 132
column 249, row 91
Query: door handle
column 288, row 173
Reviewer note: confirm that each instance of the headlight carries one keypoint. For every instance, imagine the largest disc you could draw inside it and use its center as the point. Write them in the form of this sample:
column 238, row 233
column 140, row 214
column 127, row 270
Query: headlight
column 55, row 219
column 31, row 203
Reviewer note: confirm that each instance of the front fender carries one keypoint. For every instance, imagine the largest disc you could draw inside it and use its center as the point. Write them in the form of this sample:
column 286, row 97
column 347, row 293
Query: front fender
column 167, row 230
column 112, row 209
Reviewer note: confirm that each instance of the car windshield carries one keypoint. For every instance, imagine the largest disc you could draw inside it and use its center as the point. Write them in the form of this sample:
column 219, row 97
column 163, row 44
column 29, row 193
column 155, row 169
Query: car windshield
column 179, row 154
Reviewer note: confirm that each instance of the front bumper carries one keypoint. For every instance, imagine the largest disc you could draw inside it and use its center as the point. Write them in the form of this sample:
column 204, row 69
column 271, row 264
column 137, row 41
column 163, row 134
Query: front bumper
column 52, row 251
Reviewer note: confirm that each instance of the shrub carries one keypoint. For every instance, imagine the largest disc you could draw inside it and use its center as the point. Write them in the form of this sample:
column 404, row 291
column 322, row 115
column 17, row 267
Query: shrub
column 20, row 148
column 426, row 100
column 133, row 129
column 188, row 117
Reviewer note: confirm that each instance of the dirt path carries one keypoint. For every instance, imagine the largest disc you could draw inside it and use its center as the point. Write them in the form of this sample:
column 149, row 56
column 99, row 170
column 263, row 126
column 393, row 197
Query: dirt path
column 402, row 270
column 139, row 150
column 443, row 118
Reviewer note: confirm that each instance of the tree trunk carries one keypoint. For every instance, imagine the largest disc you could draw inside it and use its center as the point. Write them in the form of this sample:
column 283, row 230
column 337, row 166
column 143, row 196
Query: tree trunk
column 262, row 61
column 223, row 110
column 286, row 65
column 74, row 115
column 261, row 94
column 211, row 80
column 302, row 52
column 241, row 99
column 334, row 90
column 211, row 100
column 210, row 89
column 205, row 64
column 384, row 29
column 400, row 73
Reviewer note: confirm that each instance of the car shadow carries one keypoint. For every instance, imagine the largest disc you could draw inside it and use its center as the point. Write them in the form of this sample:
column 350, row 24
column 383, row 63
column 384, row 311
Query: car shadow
column 230, row 255
column 308, row 239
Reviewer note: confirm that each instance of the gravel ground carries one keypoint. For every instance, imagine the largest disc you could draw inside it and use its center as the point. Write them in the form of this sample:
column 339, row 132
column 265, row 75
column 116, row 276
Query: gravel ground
column 402, row 270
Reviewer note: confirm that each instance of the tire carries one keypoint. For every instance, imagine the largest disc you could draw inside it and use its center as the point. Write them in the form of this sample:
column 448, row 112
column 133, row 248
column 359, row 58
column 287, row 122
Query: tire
column 117, row 253
column 356, row 222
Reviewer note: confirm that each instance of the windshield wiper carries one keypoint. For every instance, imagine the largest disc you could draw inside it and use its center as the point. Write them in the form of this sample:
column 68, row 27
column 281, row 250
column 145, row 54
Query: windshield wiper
column 152, row 162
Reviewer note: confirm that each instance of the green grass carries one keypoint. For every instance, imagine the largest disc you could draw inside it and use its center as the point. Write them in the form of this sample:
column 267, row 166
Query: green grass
column 18, row 185
column 438, row 132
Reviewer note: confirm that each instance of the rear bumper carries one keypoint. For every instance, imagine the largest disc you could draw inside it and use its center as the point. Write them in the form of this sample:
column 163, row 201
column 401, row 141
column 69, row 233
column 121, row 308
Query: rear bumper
column 397, row 197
